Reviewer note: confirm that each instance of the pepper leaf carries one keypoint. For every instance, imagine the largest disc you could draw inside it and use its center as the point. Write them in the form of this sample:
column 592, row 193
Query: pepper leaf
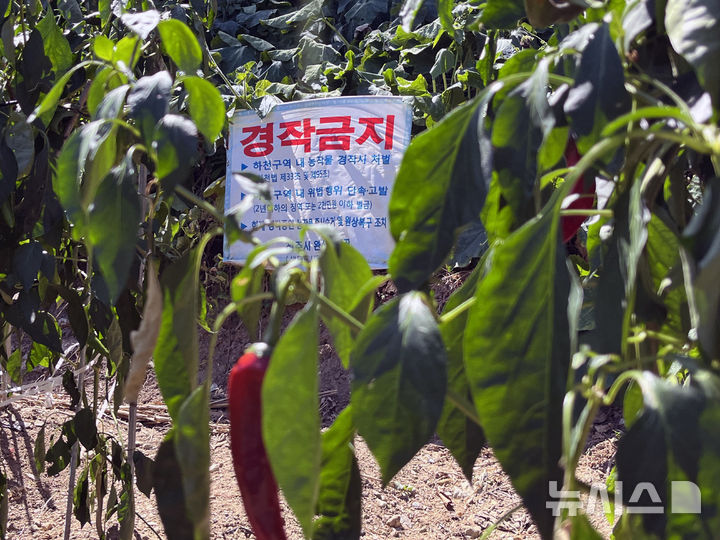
column 339, row 503
column 517, row 351
column 463, row 437
column 291, row 423
column 398, row 380
column 181, row 45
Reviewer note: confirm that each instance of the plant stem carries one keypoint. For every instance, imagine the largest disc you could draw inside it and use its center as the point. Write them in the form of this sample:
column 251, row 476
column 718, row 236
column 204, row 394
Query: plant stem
column 331, row 309
column 598, row 150
column 99, row 503
column 699, row 146
column 491, row 528
column 491, row 52
column 665, row 338
column 679, row 102
column 217, row 69
column 190, row 196
column 588, row 212
column 349, row 45
column 619, row 383
column 7, row 344
column 457, row 311
column 75, row 450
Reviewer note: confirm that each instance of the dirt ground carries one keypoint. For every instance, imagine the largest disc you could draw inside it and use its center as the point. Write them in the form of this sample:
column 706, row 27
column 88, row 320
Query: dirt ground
column 428, row 499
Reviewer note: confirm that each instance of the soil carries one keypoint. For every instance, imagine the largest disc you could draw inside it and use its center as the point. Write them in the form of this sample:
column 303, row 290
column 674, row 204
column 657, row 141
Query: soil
column 429, row 499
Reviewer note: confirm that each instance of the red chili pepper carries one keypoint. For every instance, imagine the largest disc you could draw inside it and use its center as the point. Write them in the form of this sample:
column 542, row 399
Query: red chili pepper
column 254, row 475
column 571, row 224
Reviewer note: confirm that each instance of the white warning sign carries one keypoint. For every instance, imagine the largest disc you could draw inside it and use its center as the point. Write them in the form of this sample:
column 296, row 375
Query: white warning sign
column 327, row 161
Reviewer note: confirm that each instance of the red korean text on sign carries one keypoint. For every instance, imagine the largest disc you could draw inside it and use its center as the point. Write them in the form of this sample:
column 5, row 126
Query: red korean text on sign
column 264, row 146
column 370, row 132
column 294, row 135
column 335, row 138
column 334, row 133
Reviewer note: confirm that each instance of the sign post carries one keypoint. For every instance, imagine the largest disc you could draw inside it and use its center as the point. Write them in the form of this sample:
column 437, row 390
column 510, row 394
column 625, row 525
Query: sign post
column 327, row 161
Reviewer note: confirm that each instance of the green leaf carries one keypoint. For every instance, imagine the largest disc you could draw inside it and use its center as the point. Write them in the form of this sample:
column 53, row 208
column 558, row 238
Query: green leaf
column 98, row 142
column 68, row 382
column 598, row 94
column 76, row 313
column 692, row 28
column 502, row 13
column 517, row 350
column 8, row 171
column 14, row 366
column 291, row 422
column 702, row 238
column 663, row 445
column 85, row 429
column 42, row 327
column 58, row 456
column 617, row 283
column 126, row 504
column 26, row 263
column 33, row 64
column 708, row 466
column 440, row 187
column 20, row 138
column 111, row 105
column 39, row 451
column 181, row 45
column 206, row 106
column 192, row 446
column 89, row 152
column 81, row 503
column 663, row 255
column 462, row 436
column 176, row 350
column 444, row 62
column 112, row 501
column 103, row 47
column 632, row 402
column 445, row 8
column 176, row 140
column 144, row 472
column 340, row 500
column 3, row 504
column 398, row 380
column 47, row 106
column 257, row 43
column 416, row 87
column 248, row 283
column 581, row 529
column 149, row 100
column 522, row 121
column 471, row 243
column 105, row 80
column 126, row 52
column 168, row 487
column 57, row 48
column 311, row 10
column 113, row 223
column 345, row 271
